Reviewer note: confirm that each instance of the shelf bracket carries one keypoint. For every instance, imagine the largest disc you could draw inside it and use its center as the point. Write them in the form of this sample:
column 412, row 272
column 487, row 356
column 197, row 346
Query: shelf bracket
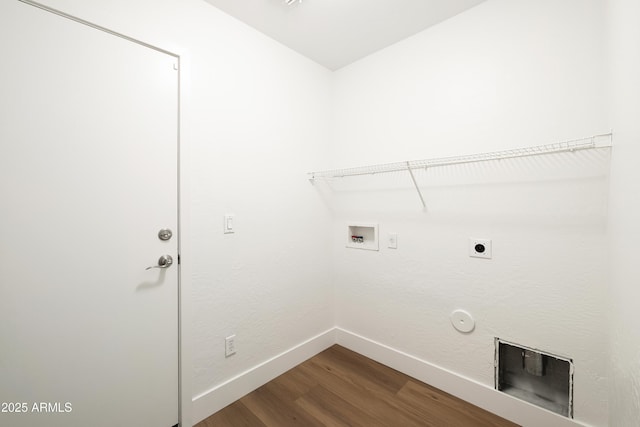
column 413, row 178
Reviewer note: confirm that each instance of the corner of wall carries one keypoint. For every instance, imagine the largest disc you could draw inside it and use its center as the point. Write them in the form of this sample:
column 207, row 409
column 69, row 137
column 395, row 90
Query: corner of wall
column 226, row 393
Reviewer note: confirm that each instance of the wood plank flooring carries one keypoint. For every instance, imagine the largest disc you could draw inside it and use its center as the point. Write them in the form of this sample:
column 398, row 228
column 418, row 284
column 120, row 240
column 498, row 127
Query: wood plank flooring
column 341, row 388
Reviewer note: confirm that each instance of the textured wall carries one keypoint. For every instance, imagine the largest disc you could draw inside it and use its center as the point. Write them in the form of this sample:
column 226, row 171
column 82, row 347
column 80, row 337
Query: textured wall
column 624, row 211
column 504, row 74
column 255, row 119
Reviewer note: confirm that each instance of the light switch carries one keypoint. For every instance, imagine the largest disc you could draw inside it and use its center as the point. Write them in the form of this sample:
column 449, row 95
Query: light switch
column 392, row 240
column 229, row 224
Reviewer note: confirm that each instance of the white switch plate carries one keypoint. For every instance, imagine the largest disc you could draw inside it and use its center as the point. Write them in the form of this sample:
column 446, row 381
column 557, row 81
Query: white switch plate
column 230, row 345
column 392, row 240
column 229, row 224
column 480, row 248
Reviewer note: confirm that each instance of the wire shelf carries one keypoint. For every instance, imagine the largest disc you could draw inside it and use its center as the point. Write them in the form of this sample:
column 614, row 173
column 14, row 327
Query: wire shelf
column 595, row 141
column 559, row 147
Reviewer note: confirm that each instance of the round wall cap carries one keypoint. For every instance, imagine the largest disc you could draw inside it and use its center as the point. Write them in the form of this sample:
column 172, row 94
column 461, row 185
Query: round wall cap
column 462, row 321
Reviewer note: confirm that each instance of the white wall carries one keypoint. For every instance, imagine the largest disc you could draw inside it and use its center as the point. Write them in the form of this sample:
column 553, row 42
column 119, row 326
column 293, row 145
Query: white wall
column 624, row 210
column 255, row 119
column 504, row 74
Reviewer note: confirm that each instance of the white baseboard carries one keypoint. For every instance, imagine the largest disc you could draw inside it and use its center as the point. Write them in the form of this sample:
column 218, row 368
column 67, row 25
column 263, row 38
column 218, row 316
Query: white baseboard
column 515, row 410
column 228, row 392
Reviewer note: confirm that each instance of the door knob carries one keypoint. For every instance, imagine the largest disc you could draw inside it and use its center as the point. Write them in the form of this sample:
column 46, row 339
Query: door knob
column 164, row 261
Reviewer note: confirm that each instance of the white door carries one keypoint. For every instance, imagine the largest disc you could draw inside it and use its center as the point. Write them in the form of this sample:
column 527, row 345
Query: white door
column 88, row 177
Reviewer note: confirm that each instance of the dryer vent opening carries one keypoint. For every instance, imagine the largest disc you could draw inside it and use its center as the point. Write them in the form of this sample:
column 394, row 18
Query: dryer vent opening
column 538, row 377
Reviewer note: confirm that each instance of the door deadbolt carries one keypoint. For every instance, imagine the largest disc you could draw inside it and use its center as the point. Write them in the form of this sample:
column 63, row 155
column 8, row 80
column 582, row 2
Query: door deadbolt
column 164, row 234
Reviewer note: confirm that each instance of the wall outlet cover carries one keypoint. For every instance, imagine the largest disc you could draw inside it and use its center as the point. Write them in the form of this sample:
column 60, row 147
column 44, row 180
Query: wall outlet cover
column 230, row 345
column 392, row 240
column 480, row 248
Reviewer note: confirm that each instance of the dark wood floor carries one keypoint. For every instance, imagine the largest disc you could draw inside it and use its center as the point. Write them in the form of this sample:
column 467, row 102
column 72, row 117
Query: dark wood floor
column 341, row 388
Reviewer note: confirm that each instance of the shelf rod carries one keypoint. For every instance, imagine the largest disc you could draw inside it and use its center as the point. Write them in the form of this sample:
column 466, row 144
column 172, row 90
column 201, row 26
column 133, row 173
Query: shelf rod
column 413, row 178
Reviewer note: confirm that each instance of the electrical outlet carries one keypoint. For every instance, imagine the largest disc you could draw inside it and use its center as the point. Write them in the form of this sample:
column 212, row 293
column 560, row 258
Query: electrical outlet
column 480, row 248
column 230, row 345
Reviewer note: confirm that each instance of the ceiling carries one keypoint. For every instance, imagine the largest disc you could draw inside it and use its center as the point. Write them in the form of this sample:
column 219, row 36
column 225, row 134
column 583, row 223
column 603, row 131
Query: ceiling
column 335, row 33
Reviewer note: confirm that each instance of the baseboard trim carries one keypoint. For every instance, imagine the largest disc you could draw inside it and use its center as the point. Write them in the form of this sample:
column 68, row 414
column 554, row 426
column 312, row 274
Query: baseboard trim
column 233, row 389
column 478, row 394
